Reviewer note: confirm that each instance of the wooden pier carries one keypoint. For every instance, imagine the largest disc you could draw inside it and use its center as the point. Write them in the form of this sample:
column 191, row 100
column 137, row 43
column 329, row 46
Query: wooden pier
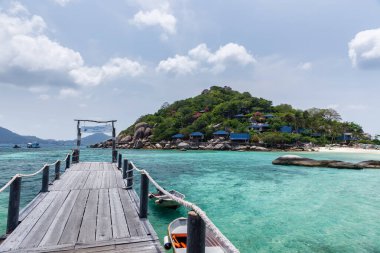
column 88, row 209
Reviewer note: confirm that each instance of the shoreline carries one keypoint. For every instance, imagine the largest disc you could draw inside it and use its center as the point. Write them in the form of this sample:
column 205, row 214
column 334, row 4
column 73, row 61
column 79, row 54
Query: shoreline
column 348, row 150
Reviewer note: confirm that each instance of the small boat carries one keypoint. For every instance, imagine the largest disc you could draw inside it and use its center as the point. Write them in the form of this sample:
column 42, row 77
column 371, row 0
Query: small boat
column 16, row 146
column 164, row 200
column 177, row 237
column 33, row 145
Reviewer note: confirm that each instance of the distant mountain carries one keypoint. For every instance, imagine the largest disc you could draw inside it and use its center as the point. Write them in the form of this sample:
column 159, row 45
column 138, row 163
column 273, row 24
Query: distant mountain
column 94, row 138
column 9, row 137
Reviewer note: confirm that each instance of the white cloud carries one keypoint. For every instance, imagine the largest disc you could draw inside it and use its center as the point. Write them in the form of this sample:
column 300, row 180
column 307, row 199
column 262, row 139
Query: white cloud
column 364, row 49
column 155, row 13
column 116, row 67
column 25, row 48
column 201, row 56
column 305, row 66
column 68, row 92
column 156, row 18
column 62, row 2
column 178, row 64
column 44, row 97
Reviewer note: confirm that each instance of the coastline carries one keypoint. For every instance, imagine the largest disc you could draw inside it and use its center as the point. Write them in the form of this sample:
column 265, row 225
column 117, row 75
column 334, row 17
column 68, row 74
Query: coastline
column 349, row 150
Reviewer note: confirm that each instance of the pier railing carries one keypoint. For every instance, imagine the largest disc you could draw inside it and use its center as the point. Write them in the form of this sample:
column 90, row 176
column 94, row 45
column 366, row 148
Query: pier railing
column 15, row 188
column 198, row 217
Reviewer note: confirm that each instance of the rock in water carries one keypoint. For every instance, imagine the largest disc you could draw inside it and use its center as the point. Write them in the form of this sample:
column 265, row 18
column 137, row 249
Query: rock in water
column 307, row 162
column 184, row 145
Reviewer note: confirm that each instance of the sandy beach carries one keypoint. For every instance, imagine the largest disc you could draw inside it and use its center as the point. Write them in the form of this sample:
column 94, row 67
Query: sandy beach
column 349, row 150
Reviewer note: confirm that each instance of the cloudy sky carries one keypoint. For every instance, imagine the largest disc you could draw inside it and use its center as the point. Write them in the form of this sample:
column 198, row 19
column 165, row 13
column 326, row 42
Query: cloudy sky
column 66, row 59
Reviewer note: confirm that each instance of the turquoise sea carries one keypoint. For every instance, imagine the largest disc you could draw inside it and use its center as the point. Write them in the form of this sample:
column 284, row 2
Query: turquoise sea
column 258, row 206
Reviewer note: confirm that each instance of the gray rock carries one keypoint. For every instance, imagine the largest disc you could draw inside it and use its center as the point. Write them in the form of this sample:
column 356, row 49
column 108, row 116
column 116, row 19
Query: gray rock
column 371, row 164
column 184, row 145
column 257, row 148
column 301, row 161
column 158, row 146
column 147, row 132
column 219, row 146
column 138, row 144
column 139, row 133
column 167, row 146
column 141, row 125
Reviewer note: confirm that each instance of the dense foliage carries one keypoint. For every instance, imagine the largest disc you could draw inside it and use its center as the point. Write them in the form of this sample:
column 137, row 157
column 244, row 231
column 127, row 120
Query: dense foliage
column 223, row 108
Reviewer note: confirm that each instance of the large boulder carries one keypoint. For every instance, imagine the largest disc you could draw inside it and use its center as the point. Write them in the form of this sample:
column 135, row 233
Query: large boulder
column 371, row 164
column 139, row 133
column 307, row 162
column 141, row 125
column 147, row 132
column 257, row 148
column 158, row 146
column 126, row 139
column 138, row 144
column 219, row 146
column 183, row 145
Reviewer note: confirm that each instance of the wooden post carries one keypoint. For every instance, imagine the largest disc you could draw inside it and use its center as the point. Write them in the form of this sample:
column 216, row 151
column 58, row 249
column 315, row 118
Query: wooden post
column 78, row 134
column 14, row 205
column 57, row 170
column 68, row 161
column 129, row 176
column 119, row 161
column 113, row 143
column 114, row 156
column 125, row 168
column 196, row 233
column 75, row 156
column 144, row 187
column 45, row 179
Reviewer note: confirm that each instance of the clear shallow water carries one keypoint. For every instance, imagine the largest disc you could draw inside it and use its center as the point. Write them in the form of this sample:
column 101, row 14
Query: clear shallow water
column 258, row 206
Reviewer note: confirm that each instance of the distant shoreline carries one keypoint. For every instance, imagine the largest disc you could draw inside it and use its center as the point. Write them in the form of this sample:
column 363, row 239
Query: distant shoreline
column 349, row 150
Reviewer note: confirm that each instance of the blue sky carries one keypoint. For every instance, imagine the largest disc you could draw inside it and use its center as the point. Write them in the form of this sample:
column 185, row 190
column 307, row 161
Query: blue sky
column 66, row 59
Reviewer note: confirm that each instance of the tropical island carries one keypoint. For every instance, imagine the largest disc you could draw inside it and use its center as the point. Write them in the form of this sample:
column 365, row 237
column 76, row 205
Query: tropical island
column 223, row 119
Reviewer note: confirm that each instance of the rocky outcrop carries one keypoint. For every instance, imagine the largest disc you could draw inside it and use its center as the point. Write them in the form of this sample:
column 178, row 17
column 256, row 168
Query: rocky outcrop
column 307, row 162
column 183, row 145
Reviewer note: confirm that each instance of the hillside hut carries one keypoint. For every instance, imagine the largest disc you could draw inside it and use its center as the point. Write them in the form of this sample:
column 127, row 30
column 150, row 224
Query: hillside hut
column 196, row 136
column 261, row 127
column 240, row 137
column 221, row 133
column 178, row 136
column 286, row 129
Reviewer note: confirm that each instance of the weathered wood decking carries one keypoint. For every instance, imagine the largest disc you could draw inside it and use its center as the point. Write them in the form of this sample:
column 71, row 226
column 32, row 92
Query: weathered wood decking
column 87, row 210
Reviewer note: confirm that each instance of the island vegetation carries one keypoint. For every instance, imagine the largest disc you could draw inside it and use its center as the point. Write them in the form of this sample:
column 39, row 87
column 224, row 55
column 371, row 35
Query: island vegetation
column 221, row 108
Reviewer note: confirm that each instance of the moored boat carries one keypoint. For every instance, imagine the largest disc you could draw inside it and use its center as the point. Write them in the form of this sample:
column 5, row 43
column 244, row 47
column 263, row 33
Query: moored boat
column 163, row 200
column 33, row 145
column 177, row 237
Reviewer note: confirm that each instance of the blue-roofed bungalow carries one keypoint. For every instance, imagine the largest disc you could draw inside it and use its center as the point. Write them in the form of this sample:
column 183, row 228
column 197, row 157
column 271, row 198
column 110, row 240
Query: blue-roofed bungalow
column 221, row 133
column 346, row 137
column 286, row 129
column 269, row 116
column 196, row 136
column 260, row 126
column 178, row 136
column 240, row 137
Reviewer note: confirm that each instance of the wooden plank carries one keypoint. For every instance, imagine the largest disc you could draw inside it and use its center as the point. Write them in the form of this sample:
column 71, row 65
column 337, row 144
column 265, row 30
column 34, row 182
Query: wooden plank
column 71, row 231
column 39, row 230
column 16, row 237
column 106, row 179
column 112, row 182
column 88, row 228
column 119, row 179
column 103, row 223
column 134, row 226
column 55, row 230
column 98, row 180
column 119, row 223
column 28, row 208
column 82, row 181
column 90, row 180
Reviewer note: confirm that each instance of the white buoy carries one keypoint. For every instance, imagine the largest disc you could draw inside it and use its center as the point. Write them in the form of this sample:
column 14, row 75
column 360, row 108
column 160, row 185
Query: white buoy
column 167, row 243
